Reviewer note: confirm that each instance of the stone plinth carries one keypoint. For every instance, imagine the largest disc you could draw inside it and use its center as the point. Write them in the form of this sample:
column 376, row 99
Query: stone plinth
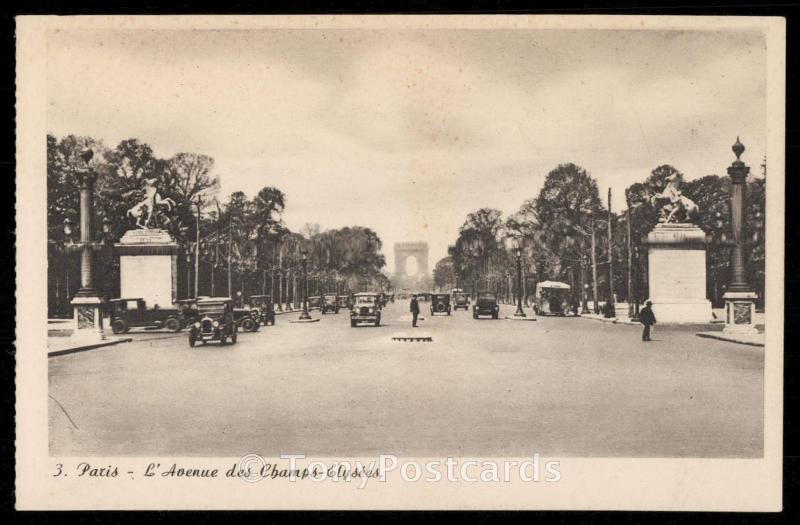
column 676, row 255
column 87, row 319
column 740, row 309
column 148, row 261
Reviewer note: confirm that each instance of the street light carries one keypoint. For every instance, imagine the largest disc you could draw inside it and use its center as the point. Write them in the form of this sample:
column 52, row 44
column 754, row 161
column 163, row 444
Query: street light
column 739, row 298
column 585, row 299
column 304, row 316
column 86, row 303
column 585, row 305
column 68, row 230
column 519, row 312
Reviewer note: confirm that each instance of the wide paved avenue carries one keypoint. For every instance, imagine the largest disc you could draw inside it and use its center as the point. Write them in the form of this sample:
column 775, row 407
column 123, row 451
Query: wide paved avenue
column 557, row 386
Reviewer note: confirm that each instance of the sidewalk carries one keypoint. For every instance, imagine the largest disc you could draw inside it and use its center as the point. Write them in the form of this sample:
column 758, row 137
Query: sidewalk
column 745, row 339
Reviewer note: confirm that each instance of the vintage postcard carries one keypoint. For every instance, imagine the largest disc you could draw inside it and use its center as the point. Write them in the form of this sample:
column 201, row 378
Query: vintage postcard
column 400, row 262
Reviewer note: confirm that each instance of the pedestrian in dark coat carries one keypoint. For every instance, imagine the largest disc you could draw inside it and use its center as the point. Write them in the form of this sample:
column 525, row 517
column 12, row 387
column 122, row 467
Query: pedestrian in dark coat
column 414, row 310
column 647, row 318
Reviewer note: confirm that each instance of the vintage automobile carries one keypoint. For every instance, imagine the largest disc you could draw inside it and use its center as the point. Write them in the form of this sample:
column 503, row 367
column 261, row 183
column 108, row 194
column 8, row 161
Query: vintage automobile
column 246, row 319
column 366, row 309
column 214, row 323
column 460, row 300
column 188, row 308
column 486, row 304
column 315, row 301
column 344, row 301
column 127, row 313
column 552, row 298
column 329, row 304
column 440, row 303
column 262, row 308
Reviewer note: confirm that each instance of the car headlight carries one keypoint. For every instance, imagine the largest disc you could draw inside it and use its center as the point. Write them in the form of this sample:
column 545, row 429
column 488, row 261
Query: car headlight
column 197, row 325
column 215, row 324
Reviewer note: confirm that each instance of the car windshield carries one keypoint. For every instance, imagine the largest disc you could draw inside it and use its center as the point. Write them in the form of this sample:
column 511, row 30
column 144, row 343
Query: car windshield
column 365, row 299
column 489, row 296
column 211, row 309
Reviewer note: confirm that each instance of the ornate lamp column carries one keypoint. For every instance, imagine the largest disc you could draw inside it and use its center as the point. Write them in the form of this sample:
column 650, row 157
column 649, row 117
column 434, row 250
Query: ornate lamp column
column 585, row 291
column 304, row 316
column 519, row 312
column 87, row 303
column 739, row 297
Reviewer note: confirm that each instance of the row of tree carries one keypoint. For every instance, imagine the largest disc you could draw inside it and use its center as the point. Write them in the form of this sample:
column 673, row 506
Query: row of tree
column 553, row 232
column 244, row 244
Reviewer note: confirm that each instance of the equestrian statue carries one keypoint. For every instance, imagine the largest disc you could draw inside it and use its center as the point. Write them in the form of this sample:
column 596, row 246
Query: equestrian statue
column 678, row 207
column 147, row 211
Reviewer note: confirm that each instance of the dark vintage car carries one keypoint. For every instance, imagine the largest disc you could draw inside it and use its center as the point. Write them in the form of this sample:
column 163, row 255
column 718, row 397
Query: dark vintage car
column 344, row 301
column 486, row 304
column 440, row 303
column 214, row 321
column 133, row 313
column 460, row 300
column 329, row 304
column 314, row 302
column 246, row 319
column 366, row 309
column 188, row 308
column 263, row 309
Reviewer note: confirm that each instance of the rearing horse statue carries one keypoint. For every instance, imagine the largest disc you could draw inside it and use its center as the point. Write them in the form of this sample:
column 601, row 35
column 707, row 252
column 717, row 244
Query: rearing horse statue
column 678, row 202
column 151, row 202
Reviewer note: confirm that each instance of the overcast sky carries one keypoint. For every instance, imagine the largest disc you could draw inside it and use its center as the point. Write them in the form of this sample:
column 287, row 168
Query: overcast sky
column 408, row 131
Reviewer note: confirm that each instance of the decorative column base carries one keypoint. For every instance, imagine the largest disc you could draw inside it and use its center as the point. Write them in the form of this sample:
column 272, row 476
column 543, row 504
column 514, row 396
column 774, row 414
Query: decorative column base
column 88, row 318
column 740, row 309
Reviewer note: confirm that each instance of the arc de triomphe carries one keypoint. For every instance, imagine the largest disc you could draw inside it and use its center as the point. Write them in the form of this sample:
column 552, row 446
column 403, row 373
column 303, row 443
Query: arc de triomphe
column 403, row 251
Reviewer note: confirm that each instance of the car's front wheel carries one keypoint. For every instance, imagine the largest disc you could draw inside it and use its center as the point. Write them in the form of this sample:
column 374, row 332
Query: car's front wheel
column 172, row 324
column 119, row 326
column 248, row 325
column 352, row 323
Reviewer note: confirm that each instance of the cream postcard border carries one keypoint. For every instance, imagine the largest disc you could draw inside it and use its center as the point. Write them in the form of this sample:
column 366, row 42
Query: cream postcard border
column 608, row 484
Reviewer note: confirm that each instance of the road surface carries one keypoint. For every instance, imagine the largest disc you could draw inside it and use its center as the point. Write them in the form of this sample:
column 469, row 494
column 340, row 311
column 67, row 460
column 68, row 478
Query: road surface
column 557, row 386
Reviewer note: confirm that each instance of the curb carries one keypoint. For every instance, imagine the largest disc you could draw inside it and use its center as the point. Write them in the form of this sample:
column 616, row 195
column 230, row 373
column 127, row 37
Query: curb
column 719, row 336
column 84, row 348
column 612, row 320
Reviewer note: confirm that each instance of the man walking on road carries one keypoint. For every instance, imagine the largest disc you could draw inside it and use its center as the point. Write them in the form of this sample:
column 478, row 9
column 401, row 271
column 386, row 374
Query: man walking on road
column 414, row 310
column 647, row 318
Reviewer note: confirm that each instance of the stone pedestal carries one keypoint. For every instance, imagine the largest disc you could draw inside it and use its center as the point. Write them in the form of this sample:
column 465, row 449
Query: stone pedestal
column 740, row 309
column 148, row 267
column 88, row 319
column 676, row 255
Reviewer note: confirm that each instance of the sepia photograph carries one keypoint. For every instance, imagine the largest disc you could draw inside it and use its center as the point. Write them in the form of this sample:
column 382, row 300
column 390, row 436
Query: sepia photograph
column 406, row 237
